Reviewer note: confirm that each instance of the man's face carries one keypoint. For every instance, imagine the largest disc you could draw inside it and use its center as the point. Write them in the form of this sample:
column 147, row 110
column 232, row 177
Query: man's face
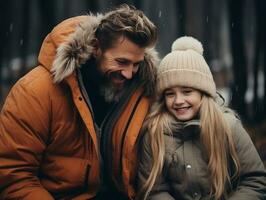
column 120, row 63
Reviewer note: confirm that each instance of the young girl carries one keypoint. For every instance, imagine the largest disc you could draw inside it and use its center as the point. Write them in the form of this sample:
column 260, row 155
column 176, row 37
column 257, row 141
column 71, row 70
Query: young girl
column 194, row 148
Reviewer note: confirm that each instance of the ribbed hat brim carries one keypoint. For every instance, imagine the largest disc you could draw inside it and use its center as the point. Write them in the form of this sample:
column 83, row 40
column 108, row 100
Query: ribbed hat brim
column 186, row 78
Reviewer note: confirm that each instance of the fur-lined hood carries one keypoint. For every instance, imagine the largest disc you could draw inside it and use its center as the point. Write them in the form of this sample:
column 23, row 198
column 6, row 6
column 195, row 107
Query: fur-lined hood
column 68, row 46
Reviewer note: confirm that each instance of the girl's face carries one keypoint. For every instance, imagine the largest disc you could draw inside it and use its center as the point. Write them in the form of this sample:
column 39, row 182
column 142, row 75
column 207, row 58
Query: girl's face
column 182, row 102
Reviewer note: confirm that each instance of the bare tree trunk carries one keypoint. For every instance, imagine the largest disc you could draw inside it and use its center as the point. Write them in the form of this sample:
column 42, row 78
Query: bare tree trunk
column 47, row 10
column 6, row 28
column 181, row 8
column 93, row 5
column 195, row 18
column 24, row 42
column 262, row 6
column 258, row 105
column 258, row 45
column 239, row 86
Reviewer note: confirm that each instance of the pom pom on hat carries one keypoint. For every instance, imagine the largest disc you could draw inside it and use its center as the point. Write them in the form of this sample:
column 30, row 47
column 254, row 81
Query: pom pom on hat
column 185, row 43
column 185, row 66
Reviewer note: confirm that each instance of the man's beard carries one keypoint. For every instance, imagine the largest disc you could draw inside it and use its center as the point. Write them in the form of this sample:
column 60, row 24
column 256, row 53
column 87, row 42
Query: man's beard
column 110, row 92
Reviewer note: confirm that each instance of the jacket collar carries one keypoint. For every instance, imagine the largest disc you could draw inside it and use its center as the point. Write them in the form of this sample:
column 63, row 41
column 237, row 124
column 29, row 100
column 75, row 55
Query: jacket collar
column 187, row 130
column 76, row 50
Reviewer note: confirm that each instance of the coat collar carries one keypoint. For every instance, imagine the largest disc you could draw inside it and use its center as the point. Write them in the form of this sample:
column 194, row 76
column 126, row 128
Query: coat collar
column 186, row 130
column 76, row 50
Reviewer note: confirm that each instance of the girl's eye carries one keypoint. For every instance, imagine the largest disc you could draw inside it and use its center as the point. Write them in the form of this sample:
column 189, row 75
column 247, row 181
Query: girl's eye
column 169, row 94
column 187, row 92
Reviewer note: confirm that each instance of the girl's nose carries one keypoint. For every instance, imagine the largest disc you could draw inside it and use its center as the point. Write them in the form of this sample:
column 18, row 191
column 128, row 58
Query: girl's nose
column 178, row 100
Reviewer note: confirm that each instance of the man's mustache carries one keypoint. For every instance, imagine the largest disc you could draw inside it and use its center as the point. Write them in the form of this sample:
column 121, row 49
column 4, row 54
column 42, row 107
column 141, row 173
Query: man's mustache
column 116, row 75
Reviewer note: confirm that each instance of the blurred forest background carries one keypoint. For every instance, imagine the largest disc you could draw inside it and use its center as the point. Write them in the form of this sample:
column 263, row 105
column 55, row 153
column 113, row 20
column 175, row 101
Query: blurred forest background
column 232, row 32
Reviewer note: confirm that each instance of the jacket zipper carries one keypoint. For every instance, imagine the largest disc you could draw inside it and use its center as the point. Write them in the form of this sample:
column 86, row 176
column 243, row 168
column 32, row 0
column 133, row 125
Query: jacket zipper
column 96, row 128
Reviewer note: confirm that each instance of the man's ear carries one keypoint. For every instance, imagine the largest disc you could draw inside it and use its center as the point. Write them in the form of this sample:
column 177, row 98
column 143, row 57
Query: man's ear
column 96, row 51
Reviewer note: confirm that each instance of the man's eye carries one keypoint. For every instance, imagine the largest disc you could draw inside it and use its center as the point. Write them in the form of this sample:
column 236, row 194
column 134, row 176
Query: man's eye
column 136, row 64
column 121, row 62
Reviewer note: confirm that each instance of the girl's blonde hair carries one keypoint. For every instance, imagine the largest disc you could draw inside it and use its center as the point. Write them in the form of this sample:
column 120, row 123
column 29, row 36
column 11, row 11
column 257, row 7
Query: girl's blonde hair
column 216, row 138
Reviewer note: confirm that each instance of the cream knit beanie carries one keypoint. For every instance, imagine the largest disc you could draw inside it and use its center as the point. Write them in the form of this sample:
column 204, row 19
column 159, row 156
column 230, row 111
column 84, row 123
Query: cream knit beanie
column 185, row 66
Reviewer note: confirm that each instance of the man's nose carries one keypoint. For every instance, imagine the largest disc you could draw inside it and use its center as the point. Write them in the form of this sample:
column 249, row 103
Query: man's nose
column 128, row 72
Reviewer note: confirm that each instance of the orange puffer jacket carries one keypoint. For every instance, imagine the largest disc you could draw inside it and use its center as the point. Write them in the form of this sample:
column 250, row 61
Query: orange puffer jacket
column 48, row 141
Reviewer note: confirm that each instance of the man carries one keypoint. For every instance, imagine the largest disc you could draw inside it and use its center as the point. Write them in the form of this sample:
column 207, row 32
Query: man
column 69, row 128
